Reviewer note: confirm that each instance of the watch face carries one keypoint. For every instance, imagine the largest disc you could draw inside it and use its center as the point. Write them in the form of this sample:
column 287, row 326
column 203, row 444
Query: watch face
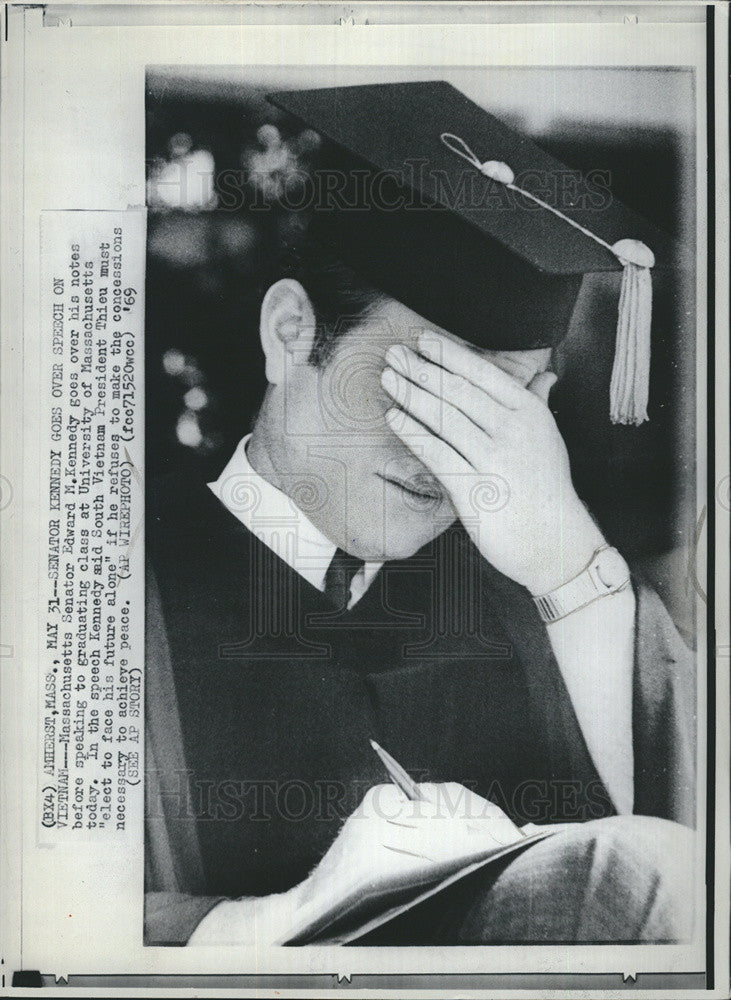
column 611, row 569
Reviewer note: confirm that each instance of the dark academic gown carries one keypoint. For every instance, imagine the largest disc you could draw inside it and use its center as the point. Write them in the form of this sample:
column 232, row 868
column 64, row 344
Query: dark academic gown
column 261, row 699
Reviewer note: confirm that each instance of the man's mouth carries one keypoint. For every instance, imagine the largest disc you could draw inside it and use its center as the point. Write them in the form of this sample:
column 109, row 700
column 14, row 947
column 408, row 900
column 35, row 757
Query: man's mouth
column 421, row 487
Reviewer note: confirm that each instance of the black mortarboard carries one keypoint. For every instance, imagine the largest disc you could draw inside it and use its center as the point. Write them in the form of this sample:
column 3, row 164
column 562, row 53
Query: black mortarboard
column 445, row 208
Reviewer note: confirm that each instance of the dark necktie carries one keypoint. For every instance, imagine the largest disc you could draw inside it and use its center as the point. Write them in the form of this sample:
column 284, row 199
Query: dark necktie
column 339, row 577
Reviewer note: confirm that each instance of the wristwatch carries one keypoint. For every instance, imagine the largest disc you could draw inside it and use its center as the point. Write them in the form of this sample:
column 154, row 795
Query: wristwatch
column 607, row 573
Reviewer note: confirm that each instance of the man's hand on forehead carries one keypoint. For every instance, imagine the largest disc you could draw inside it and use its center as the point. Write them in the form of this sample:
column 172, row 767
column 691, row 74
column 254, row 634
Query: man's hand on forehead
column 482, row 434
column 461, row 361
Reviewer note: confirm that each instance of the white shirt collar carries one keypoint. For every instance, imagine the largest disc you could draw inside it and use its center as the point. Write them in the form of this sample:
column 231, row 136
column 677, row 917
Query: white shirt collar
column 279, row 523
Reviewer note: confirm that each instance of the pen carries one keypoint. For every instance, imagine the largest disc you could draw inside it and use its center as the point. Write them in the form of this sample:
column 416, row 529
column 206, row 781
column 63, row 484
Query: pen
column 398, row 776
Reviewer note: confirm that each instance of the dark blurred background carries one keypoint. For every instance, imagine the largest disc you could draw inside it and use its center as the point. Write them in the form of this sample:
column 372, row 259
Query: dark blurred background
column 217, row 156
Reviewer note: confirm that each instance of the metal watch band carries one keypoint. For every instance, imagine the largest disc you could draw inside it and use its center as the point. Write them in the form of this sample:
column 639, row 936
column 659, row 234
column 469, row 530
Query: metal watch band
column 585, row 588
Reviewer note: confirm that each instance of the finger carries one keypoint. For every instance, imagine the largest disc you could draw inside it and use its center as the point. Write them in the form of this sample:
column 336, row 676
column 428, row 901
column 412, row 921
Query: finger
column 474, row 367
column 481, row 408
column 384, row 801
column 439, row 457
column 542, row 384
column 457, row 801
column 478, row 808
column 438, row 416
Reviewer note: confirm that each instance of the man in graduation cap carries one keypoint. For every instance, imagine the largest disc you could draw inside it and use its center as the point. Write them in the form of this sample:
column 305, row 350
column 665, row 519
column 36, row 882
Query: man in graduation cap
column 397, row 552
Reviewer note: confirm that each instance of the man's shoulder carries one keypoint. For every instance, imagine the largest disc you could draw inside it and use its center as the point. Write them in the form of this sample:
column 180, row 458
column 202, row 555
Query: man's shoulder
column 180, row 506
column 176, row 496
column 194, row 544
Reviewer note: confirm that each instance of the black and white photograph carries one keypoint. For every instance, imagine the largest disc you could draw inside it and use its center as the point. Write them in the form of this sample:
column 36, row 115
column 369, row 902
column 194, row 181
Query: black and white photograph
column 420, row 484
column 364, row 499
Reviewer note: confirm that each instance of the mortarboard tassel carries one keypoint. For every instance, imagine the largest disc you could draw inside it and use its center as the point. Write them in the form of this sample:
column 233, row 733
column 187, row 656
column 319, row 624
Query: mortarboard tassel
column 629, row 387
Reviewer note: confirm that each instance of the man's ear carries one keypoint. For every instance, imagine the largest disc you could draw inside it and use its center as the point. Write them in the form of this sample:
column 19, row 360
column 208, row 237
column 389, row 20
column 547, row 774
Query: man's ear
column 286, row 325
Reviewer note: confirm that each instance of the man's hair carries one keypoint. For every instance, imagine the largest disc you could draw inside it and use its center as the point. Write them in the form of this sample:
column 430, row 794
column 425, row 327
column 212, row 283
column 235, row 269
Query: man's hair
column 340, row 297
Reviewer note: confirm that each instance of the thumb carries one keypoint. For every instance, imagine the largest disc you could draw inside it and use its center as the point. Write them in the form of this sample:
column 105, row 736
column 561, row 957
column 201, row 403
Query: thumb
column 542, row 384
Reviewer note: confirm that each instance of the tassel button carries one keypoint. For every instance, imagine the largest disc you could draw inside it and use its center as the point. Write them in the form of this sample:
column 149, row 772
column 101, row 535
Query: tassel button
column 497, row 171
